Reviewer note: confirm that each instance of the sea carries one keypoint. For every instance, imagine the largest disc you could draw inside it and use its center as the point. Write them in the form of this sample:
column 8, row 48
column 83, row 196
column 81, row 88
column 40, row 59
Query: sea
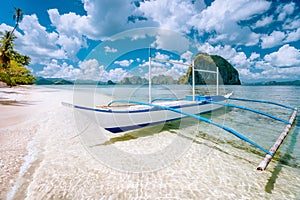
column 183, row 159
column 260, row 129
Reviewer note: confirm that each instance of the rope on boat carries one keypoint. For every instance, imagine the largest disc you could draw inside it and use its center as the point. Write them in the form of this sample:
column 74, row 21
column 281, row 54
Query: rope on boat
column 209, row 121
column 251, row 110
column 262, row 101
column 263, row 165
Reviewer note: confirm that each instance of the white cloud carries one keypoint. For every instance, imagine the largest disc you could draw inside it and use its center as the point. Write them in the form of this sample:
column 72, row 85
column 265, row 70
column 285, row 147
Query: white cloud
column 103, row 19
column 158, row 55
column 269, row 73
column 107, row 17
column 153, row 64
column 56, row 70
column 177, row 70
column 171, row 15
column 115, row 75
column 237, row 59
column 285, row 10
column 247, row 75
column 162, row 68
column 36, row 42
column 263, row 22
column 187, row 56
column 171, row 41
column 293, row 36
column 275, row 73
column 91, row 70
column 110, row 50
column 286, row 56
column 5, row 27
column 68, row 27
column 291, row 24
column 67, row 24
column 254, row 56
column 223, row 17
column 274, row 39
column 124, row 63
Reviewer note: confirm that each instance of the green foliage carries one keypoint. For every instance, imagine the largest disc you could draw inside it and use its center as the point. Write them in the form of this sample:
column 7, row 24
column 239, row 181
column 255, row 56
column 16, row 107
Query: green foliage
column 16, row 74
column 12, row 64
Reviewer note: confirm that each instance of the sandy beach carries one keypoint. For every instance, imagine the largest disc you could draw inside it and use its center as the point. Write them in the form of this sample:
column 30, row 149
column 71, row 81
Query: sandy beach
column 43, row 156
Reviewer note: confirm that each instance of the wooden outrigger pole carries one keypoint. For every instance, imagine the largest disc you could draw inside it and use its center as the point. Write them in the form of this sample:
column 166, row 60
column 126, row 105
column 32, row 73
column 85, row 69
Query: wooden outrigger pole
column 263, row 165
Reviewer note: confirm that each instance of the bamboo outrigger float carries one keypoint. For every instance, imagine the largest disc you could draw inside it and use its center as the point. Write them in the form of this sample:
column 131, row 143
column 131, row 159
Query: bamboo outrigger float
column 263, row 165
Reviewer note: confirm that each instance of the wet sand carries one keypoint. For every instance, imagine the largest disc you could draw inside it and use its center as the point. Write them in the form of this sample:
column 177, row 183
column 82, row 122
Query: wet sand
column 43, row 157
column 21, row 109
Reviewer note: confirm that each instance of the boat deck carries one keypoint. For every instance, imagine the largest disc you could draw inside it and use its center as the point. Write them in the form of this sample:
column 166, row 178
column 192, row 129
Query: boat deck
column 136, row 107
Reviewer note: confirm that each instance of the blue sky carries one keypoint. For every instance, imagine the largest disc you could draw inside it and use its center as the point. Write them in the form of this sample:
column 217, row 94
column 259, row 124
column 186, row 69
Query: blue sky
column 260, row 38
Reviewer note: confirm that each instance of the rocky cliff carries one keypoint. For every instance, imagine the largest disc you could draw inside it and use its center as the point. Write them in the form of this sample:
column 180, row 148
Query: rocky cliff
column 228, row 74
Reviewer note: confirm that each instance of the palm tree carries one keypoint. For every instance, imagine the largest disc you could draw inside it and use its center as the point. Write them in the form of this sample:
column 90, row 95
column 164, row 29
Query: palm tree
column 18, row 16
column 8, row 38
column 7, row 47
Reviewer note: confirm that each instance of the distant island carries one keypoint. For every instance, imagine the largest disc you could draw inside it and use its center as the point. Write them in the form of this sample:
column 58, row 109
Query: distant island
column 266, row 83
column 136, row 80
column 61, row 81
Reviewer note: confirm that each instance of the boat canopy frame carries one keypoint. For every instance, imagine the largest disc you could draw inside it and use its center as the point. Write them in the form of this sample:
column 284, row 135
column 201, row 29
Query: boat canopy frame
column 193, row 75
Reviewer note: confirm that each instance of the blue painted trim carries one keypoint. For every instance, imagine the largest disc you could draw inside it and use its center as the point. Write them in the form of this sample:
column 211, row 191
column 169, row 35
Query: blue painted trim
column 252, row 110
column 137, row 126
column 205, row 98
column 153, row 109
column 263, row 101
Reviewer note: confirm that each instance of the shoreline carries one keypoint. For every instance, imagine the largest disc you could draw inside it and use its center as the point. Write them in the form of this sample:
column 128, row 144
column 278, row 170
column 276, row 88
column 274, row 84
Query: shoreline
column 58, row 165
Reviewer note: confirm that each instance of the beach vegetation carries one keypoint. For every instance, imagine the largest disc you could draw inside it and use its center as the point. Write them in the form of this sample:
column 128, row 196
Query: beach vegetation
column 13, row 69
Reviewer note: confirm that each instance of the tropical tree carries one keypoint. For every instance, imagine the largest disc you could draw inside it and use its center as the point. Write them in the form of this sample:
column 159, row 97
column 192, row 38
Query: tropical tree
column 8, row 38
column 6, row 49
column 12, row 63
column 18, row 16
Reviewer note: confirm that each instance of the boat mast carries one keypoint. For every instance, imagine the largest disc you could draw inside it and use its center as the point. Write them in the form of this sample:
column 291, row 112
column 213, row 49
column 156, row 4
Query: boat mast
column 217, row 72
column 193, row 79
column 149, row 77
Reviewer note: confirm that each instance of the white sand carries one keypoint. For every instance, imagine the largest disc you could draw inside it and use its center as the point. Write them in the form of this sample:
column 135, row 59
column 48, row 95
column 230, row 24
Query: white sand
column 59, row 166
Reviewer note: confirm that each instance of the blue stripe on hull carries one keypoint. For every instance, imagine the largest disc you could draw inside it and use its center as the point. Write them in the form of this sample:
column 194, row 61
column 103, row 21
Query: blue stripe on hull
column 137, row 126
column 133, row 127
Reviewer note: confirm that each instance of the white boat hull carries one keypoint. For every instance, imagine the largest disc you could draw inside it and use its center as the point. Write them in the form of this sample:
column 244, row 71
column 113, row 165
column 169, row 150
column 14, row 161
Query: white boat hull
column 121, row 121
column 121, row 118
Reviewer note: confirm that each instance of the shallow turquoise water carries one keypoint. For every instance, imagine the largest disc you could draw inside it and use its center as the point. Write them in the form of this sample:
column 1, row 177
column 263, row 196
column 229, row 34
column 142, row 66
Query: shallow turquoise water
column 260, row 129
column 217, row 165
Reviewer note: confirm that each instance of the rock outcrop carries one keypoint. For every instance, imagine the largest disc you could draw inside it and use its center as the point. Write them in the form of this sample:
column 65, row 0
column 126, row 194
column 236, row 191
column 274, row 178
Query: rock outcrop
column 228, row 74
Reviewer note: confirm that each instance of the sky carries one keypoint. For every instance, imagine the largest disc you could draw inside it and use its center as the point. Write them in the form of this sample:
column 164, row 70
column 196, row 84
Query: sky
column 260, row 38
